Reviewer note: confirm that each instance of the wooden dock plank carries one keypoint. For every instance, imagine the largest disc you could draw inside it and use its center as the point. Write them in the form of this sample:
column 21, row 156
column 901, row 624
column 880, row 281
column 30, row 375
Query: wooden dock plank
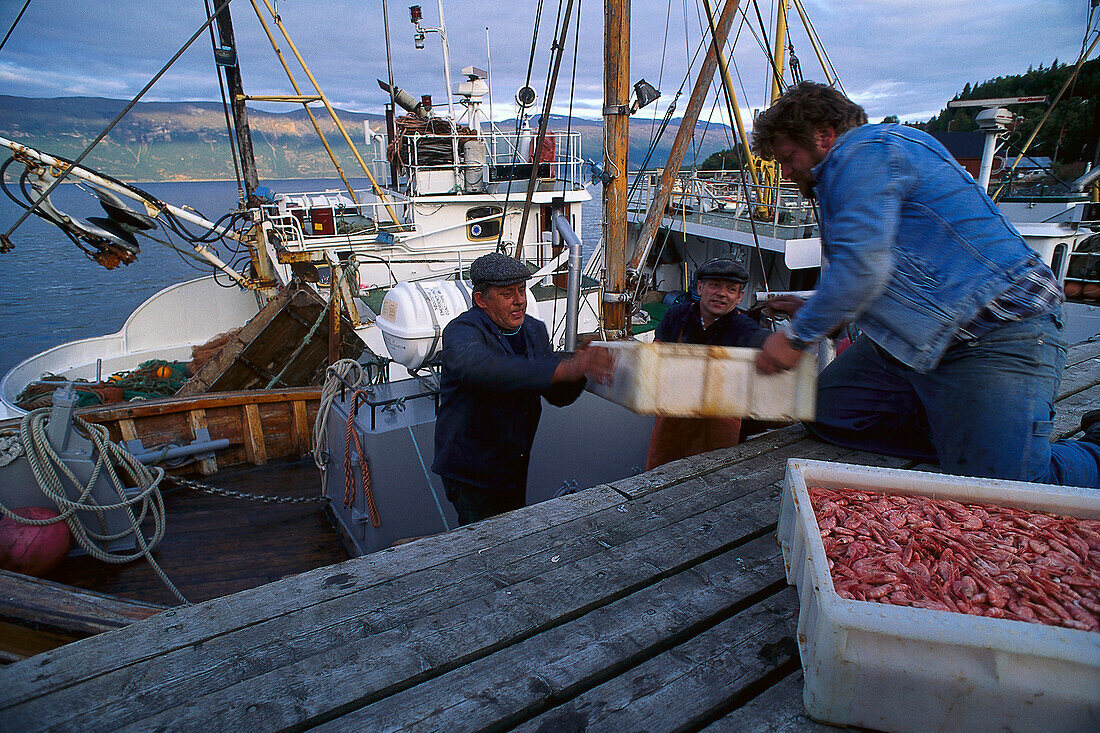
column 1067, row 417
column 1080, row 377
column 538, row 618
column 776, row 710
column 528, row 677
column 428, row 563
column 697, row 681
column 1082, row 352
column 197, row 420
column 275, row 673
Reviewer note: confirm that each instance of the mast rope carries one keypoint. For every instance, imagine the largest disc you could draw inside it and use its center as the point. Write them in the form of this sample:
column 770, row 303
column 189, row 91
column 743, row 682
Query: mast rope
column 520, row 118
column 14, row 23
column 52, row 475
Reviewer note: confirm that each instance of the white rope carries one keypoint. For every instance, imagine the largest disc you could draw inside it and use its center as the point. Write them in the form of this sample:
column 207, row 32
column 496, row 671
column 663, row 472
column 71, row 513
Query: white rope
column 345, row 371
column 52, row 474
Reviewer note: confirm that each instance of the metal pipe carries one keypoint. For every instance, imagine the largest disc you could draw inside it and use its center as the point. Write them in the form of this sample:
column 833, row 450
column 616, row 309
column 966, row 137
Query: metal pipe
column 181, row 451
column 573, row 285
column 1083, row 182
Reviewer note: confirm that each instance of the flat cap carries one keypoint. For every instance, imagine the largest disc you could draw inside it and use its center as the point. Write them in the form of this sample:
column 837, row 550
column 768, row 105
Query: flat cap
column 498, row 269
column 722, row 268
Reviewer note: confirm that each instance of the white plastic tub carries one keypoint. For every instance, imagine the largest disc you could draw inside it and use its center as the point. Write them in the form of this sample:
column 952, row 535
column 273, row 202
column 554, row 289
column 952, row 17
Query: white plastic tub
column 689, row 380
column 896, row 668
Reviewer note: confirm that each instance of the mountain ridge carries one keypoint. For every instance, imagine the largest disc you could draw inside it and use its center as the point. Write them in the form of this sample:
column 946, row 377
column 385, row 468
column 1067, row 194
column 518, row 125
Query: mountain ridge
column 187, row 140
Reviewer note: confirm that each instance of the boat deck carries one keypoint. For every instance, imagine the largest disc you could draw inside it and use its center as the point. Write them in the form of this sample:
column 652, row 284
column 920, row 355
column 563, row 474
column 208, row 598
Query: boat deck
column 653, row 603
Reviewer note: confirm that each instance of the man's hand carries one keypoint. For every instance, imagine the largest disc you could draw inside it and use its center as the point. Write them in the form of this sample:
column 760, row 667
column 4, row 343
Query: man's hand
column 783, row 304
column 594, row 362
column 776, row 355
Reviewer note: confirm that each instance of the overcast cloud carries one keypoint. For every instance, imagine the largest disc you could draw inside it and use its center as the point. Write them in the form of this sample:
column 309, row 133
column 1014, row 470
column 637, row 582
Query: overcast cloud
column 901, row 57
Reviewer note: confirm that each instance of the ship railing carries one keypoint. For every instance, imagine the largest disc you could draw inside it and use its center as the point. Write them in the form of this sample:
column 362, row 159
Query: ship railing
column 301, row 217
column 491, row 158
column 723, row 197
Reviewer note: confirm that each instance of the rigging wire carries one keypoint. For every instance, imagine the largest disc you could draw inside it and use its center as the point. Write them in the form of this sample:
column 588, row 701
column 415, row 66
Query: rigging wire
column 521, row 117
column 5, row 242
column 222, row 83
column 14, row 23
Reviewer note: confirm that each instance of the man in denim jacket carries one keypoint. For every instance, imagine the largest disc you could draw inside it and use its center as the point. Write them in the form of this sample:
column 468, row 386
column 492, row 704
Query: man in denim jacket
column 961, row 351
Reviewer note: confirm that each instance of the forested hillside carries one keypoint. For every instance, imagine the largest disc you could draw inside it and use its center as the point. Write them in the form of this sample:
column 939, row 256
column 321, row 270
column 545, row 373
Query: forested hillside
column 1068, row 136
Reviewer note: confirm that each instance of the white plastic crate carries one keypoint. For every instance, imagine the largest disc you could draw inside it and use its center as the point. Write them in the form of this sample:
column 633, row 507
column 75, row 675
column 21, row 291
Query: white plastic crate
column 896, row 668
column 690, row 380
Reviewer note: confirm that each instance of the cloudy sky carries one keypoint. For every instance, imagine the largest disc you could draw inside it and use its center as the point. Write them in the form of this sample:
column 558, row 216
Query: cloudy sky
column 902, row 57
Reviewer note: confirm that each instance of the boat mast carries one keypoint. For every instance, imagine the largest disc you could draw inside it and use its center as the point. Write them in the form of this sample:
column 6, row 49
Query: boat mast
column 616, row 92
column 779, row 50
column 240, row 115
column 680, row 144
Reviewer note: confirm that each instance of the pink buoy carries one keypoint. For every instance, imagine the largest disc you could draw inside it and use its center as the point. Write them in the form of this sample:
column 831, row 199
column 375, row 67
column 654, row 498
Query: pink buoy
column 33, row 549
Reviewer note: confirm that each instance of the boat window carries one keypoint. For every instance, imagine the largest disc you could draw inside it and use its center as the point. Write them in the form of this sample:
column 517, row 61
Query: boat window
column 481, row 227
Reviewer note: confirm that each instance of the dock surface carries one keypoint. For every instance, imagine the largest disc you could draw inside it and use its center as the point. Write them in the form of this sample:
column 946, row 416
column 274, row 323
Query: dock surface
column 658, row 602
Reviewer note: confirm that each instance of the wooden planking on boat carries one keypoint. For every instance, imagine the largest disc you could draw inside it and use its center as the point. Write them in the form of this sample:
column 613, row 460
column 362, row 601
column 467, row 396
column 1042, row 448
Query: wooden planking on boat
column 261, row 425
column 37, row 615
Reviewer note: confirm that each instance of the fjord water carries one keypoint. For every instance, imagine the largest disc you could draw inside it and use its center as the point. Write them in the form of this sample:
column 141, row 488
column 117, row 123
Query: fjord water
column 51, row 293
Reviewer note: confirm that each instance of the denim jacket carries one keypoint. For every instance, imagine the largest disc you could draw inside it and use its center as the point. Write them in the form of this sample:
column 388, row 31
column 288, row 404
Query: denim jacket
column 490, row 400
column 914, row 249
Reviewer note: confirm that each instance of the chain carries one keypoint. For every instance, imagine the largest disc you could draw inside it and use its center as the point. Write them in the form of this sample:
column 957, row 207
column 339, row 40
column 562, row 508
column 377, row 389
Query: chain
column 244, row 495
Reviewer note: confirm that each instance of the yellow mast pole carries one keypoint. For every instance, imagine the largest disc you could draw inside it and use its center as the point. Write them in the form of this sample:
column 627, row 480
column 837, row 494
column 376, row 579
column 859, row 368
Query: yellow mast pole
column 779, row 51
column 332, row 112
column 813, row 41
column 301, row 98
column 731, row 94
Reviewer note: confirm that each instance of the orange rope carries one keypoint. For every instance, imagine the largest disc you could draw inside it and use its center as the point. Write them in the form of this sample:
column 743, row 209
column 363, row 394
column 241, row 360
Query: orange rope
column 364, row 469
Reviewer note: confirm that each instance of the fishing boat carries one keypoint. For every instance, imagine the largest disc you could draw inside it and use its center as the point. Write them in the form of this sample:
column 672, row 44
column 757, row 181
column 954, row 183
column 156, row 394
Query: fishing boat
column 456, row 186
column 756, row 216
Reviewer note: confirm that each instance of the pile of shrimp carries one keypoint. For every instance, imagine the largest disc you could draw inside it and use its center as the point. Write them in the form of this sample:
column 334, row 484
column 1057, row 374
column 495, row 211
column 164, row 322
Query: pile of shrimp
column 980, row 559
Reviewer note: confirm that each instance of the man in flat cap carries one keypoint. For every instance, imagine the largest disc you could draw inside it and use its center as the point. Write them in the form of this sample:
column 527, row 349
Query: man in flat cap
column 713, row 320
column 497, row 365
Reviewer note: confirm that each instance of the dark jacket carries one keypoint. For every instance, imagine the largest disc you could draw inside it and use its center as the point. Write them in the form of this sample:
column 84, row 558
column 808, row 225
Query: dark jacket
column 681, row 324
column 489, row 401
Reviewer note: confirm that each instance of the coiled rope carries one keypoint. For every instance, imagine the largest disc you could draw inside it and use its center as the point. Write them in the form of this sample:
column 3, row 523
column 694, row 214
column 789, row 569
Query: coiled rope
column 52, row 473
column 345, row 372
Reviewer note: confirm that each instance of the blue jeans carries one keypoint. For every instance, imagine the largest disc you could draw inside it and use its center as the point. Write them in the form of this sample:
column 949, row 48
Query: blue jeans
column 986, row 409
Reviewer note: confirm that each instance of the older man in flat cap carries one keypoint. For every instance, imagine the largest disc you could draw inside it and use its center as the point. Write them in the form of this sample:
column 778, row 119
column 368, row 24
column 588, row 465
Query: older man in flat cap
column 497, row 365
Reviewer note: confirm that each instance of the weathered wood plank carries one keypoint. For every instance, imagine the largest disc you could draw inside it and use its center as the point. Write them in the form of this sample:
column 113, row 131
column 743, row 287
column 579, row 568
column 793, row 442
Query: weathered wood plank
column 482, row 539
column 429, row 563
column 695, row 682
column 688, row 468
column 128, row 429
column 253, row 434
column 33, row 600
column 424, row 562
column 272, row 677
column 301, row 428
column 1068, row 411
column 1080, row 377
column 1082, row 352
column 197, row 420
column 777, row 710
column 563, row 662
column 172, row 405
